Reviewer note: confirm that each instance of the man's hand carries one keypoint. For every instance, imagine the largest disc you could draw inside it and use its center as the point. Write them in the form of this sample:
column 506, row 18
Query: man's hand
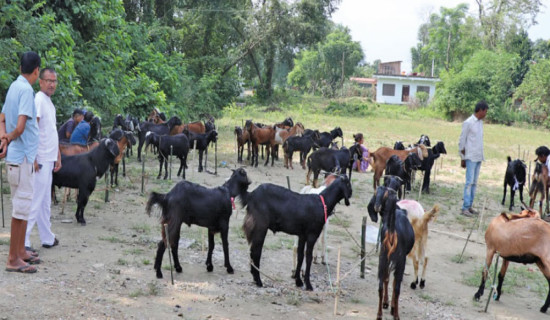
column 36, row 166
column 463, row 164
column 57, row 166
column 3, row 147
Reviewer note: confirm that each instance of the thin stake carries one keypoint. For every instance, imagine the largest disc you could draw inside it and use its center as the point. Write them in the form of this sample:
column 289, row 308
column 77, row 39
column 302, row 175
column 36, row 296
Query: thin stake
column 493, row 286
column 171, row 152
column 206, row 157
column 143, row 174
column 169, row 251
column 435, row 172
column 106, row 188
column 288, row 182
column 194, row 151
column 468, row 239
column 363, row 231
column 529, row 177
column 337, row 296
column 123, row 167
column 216, row 157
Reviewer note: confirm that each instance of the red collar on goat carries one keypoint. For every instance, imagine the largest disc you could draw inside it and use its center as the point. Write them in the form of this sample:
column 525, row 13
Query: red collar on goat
column 233, row 203
column 324, row 207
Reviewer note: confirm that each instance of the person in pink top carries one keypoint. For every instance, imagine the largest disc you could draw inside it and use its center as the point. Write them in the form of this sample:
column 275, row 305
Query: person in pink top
column 362, row 164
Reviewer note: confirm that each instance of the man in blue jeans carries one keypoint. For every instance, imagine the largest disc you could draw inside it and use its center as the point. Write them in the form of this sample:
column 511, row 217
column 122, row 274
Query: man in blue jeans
column 470, row 146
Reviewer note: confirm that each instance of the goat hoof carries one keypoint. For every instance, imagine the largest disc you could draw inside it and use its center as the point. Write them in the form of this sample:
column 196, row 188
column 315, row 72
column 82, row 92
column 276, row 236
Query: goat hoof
column 159, row 275
column 178, row 269
column 83, row 223
column 477, row 296
column 158, row 177
column 230, row 270
column 543, row 309
column 385, row 305
column 413, row 285
column 299, row 282
column 259, row 283
column 422, row 284
column 210, row 268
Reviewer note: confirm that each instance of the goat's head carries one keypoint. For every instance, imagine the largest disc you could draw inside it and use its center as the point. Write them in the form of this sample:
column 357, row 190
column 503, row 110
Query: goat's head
column 130, row 137
column 337, row 132
column 241, row 177
column 112, row 146
column 288, row 122
column 399, row 145
column 116, row 134
column 212, row 136
column 425, row 140
column 520, row 170
column 440, row 147
column 174, row 121
column 345, row 187
column 238, row 131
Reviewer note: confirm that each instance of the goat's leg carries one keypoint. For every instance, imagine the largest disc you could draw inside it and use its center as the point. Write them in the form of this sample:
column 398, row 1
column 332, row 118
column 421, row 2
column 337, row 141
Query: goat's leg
column 255, row 155
column 501, row 275
column 414, row 257
column 140, row 145
column 116, row 173
column 225, row 243
column 308, row 174
column 544, row 267
column 267, row 153
column 165, row 166
column 385, row 303
column 423, row 277
column 504, row 193
column 200, row 160
column 160, row 167
column 315, row 177
column 309, row 257
column 256, row 246
column 158, row 259
column 301, row 246
column 211, row 244
column 181, row 166
column 512, row 194
column 174, row 236
column 521, row 194
column 488, row 261
column 382, row 280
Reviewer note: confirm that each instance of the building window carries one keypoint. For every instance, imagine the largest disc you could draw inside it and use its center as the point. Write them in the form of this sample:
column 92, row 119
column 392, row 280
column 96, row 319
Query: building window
column 388, row 90
column 423, row 89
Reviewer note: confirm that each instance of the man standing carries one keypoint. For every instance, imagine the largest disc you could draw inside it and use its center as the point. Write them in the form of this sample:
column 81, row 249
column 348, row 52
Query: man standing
column 66, row 130
column 47, row 160
column 470, row 146
column 19, row 139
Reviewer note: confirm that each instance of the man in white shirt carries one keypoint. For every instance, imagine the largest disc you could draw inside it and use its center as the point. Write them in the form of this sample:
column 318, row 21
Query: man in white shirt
column 47, row 161
column 470, row 146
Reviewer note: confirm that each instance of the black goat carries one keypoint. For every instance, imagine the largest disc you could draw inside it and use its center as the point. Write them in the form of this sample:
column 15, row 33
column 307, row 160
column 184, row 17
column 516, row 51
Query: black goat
column 278, row 209
column 425, row 140
column 130, row 124
column 191, row 203
column 95, row 130
column 399, row 145
column 403, row 169
column 124, row 140
column 331, row 160
column 327, row 137
column 160, row 129
column 398, row 241
column 304, row 144
column 201, row 141
column 179, row 144
column 515, row 177
column 428, row 162
column 80, row 172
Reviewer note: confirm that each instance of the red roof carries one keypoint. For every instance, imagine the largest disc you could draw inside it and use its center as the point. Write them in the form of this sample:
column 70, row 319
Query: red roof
column 363, row 80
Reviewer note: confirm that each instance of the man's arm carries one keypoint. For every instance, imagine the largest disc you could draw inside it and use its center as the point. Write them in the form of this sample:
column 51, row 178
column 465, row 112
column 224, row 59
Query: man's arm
column 462, row 140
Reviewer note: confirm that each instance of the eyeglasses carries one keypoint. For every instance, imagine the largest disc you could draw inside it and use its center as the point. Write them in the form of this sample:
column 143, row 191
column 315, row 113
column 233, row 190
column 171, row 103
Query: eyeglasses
column 50, row 81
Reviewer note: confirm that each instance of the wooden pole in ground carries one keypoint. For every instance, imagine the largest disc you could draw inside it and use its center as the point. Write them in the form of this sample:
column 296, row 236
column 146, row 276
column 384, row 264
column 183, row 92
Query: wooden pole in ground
column 529, row 177
column 123, row 166
column 288, row 182
column 143, row 174
column 166, row 236
column 216, row 158
column 363, row 234
column 171, row 152
column 194, row 151
column 337, row 296
column 471, row 230
column 493, row 285
column 206, row 157
column 106, row 188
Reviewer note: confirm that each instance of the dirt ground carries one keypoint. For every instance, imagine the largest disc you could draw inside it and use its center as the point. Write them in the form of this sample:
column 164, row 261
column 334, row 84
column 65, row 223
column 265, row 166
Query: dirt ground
column 105, row 269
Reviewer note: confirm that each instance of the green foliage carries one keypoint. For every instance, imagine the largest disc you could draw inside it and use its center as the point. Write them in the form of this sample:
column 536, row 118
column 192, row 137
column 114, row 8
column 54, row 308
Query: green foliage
column 486, row 76
column 349, row 109
column 535, row 93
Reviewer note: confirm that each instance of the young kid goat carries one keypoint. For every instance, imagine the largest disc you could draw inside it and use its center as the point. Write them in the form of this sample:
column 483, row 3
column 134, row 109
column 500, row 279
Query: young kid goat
column 539, row 184
column 533, row 247
column 275, row 208
column 191, row 203
column 515, row 177
column 419, row 221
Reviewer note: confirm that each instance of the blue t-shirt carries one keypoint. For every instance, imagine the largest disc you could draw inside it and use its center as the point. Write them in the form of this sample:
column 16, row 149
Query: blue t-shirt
column 80, row 133
column 20, row 101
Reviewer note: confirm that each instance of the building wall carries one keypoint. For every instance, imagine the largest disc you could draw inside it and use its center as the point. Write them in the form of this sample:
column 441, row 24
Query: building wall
column 413, row 84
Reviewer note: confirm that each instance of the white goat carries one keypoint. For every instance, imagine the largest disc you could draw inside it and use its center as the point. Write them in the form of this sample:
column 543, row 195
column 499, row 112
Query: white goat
column 419, row 221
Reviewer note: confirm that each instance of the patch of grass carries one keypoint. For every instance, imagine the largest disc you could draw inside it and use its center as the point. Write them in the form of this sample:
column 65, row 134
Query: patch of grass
column 134, row 251
column 146, row 262
column 142, row 228
column 357, row 300
column 4, row 242
column 136, row 293
column 153, row 289
column 294, row 299
column 112, row 239
column 122, row 262
column 341, row 220
column 427, row 297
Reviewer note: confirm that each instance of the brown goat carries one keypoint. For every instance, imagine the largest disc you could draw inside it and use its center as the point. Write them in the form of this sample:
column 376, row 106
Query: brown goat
column 69, row 149
column 419, row 221
column 382, row 154
column 195, row 127
column 523, row 240
column 539, row 184
column 243, row 137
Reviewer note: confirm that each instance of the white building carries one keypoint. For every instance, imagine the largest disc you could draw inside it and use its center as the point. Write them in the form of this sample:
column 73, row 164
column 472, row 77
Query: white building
column 397, row 89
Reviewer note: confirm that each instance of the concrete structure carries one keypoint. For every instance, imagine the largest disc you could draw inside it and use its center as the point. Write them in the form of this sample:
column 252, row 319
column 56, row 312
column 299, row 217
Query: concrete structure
column 398, row 89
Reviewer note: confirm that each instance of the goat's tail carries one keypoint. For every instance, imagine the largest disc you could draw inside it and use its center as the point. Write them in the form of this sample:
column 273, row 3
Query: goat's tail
column 248, row 226
column 390, row 242
column 430, row 215
column 156, row 198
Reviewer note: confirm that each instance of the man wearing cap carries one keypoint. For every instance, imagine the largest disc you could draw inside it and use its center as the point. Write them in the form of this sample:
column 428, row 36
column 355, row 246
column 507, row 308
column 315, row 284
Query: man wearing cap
column 66, row 130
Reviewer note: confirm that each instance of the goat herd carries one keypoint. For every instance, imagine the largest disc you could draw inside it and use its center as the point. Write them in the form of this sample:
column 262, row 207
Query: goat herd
column 404, row 230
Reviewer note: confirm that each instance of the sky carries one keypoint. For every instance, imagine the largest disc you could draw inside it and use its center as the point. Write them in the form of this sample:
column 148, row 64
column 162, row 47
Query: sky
column 387, row 29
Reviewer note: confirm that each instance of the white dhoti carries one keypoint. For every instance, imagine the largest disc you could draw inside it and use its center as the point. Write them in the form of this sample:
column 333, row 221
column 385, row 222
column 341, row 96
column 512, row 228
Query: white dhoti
column 41, row 205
